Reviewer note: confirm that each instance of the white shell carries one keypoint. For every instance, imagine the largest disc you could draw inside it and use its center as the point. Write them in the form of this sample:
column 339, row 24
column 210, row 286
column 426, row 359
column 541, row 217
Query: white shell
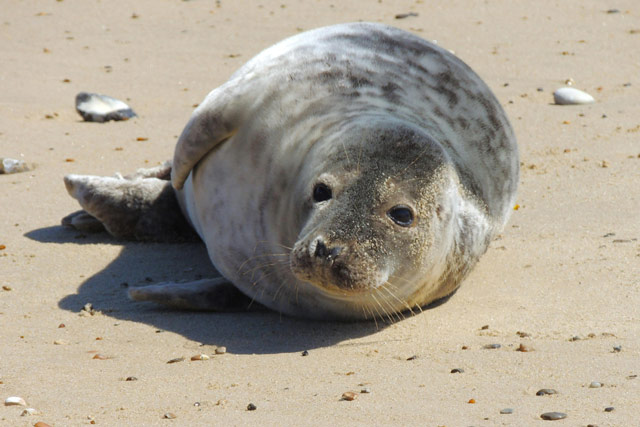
column 571, row 96
column 94, row 107
column 15, row 401
column 29, row 411
column 8, row 165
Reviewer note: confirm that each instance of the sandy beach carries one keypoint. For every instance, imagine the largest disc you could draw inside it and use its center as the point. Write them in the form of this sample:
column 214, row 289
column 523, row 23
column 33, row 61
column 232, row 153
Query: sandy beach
column 562, row 280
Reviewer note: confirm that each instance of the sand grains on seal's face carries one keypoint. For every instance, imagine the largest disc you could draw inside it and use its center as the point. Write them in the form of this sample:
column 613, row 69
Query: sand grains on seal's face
column 370, row 217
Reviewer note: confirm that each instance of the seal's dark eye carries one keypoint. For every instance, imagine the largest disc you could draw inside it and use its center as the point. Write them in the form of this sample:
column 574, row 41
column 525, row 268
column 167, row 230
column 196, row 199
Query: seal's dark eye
column 321, row 192
column 401, row 215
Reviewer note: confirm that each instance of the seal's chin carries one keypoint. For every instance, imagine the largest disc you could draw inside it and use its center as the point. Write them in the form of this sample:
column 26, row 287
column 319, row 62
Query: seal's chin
column 341, row 290
column 344, row 275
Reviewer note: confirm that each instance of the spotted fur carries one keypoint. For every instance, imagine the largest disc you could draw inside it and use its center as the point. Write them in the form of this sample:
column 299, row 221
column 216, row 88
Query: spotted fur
column 384, row 119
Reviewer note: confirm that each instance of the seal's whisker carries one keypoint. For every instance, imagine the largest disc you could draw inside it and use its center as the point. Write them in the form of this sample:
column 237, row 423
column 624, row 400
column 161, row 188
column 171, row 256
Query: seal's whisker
column 359, row 157
column 346, row 153
column 284, row 284
column 398, row 278
column 264, row 276
column 275, row 294
column 373, row 316
column 283, row 246
column 386, row 287
column 262, row 266
column 399, row 314
column 384, row 302
column 259, row 242
column 253, row 258
column 427, row 148
column 377, row 311
column 391, row 285
column 384, row 310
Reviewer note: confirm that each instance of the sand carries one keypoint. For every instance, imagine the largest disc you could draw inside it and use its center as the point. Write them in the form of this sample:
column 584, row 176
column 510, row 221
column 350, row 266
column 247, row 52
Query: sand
column 567, row 264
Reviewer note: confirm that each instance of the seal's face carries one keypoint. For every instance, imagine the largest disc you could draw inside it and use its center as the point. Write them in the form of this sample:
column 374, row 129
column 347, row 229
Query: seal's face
column 372, row 221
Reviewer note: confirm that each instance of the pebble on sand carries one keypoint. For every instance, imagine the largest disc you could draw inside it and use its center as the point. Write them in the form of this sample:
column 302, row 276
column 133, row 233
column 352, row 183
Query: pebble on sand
column 101, row 357
column 506, row 411
column 546, row 392
column 349, row 395
column 251, row 407
column 199, row 357
column 552, row 416
column 524, row 348
column 595, row 384
column 571, row 96
column 491, row 346
column 405, row 15
column 94, row 107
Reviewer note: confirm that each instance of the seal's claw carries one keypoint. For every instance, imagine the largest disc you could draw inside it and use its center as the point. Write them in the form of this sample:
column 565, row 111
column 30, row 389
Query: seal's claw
column 216, row 294
column 162, row 171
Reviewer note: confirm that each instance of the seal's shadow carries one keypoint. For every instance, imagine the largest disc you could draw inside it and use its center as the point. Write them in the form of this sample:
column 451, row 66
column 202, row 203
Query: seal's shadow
column 261, row 332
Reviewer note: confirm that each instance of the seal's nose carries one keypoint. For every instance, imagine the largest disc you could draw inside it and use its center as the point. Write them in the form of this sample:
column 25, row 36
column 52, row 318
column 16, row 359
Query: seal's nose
column 322, row 251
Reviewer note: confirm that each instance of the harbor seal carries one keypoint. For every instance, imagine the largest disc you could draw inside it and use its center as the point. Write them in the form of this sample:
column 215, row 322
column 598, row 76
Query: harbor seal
column 349, row 172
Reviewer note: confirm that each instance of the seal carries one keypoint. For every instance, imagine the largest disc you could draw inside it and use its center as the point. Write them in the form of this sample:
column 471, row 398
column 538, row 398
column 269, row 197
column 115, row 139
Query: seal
column 353, row 171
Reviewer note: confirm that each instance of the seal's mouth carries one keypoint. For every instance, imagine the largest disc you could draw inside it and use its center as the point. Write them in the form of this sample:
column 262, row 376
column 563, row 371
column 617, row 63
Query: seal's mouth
column 336, row 269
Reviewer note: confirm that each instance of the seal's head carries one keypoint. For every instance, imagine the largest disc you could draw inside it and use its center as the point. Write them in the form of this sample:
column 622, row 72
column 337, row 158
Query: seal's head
column 377, row 215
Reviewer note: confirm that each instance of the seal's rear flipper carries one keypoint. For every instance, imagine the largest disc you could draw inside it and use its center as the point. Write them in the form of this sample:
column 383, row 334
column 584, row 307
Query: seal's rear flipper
column 216, row 294
column 82, row 221
column 142, row 206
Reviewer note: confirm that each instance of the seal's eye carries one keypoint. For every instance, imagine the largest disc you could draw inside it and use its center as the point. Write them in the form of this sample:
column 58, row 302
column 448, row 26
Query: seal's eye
column 401, row 215
column 321, row 192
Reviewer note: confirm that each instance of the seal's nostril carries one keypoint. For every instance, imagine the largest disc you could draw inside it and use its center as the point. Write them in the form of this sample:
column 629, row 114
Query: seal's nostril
column 321, row 249
column 334, row 252
column 323, row 252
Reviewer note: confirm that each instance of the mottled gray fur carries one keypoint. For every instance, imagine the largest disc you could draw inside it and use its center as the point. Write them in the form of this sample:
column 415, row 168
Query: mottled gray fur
column 383, row 119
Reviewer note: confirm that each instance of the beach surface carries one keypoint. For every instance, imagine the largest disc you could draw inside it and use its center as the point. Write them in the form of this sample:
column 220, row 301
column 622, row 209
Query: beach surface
column 562, row 281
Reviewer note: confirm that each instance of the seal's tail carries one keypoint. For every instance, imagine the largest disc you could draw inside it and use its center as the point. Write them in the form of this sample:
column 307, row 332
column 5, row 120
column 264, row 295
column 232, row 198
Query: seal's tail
column 142, row 206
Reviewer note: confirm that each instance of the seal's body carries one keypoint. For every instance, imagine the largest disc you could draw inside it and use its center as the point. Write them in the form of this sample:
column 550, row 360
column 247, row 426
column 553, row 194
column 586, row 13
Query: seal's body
column 352, row 171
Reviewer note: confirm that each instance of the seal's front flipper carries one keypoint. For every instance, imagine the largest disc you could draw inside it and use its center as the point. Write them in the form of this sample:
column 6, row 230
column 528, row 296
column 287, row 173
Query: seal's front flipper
column 216, row 294
column 142, row 207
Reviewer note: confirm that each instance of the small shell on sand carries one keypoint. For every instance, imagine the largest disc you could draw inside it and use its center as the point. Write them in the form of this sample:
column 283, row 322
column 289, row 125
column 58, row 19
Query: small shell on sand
column 571, row 96
column 29, row 411
column 15, row 401
column 8, row 165
column 94, row 107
